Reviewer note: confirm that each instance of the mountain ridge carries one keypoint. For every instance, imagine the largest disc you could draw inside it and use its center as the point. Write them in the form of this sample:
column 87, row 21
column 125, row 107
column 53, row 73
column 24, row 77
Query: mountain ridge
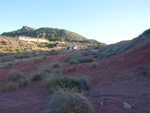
column 52, row 34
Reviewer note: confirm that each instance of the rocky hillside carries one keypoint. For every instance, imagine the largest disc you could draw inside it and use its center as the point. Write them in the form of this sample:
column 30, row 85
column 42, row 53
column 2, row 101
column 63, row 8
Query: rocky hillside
column 53, row 34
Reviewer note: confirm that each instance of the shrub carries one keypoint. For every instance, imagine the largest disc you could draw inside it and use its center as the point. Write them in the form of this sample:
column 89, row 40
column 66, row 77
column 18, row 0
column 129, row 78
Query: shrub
column 7, row 59
column 72, row 68
column 73, row 61
column 20, row 56
column 68, row 58
column 85, row 59
column 9, row 65
column 55, row 65
column 94, row 65
column 40, row 59
column 69, row 102
column 54, row 52
column 41, row 74
column 64, row 82
column 16, row 80
column 11, row 86
column 44, row 73
column 15, row 76
column 84, row 53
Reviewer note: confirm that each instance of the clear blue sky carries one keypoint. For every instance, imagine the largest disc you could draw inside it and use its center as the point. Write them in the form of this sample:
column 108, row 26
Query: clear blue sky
column 107, row 21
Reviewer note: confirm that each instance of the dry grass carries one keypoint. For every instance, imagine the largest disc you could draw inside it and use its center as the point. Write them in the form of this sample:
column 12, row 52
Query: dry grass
column 16, row 80
column 45, row 73
column 70, row 83
column 64, row 101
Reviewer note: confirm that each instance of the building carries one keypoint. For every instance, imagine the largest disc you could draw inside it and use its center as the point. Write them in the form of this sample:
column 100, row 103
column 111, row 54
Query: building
column 73, row 47
column 32, row 39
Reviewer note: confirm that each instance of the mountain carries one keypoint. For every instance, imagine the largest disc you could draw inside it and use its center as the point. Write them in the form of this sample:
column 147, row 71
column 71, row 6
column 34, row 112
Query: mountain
column 53, row 34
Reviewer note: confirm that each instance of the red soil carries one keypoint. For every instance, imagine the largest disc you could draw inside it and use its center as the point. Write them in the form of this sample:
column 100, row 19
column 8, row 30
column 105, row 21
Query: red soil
column 114, row 81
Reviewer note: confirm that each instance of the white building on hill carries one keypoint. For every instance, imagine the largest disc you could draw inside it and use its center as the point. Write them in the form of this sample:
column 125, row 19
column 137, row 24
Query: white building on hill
column 32, row 39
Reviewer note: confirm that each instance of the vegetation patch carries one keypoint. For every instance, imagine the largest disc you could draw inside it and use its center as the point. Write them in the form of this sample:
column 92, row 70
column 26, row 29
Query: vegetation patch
column 78, row 59
column 73, row 61
column 56, row 65
column 68, row 58
column 65, row 82
column 72, row 68
column 94, row 65
column 64, row 101
column 9, row 65
column 44, row 73
column 40, row 59
column 85, row 59
column 16, row 80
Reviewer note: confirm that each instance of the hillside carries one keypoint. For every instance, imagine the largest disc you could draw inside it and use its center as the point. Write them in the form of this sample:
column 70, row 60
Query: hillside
column 120, row 84
column 13, row 45
column 53, row 34
column 106, row 51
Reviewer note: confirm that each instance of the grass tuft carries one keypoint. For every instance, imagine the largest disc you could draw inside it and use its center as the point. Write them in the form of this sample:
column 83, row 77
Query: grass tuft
column 64, row 101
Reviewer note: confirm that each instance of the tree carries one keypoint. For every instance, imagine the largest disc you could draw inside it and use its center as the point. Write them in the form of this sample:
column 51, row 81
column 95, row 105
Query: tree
column 44, row 34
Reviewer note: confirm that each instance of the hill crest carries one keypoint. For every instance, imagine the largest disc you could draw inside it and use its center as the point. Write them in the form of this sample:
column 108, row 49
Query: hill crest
column 52, row 34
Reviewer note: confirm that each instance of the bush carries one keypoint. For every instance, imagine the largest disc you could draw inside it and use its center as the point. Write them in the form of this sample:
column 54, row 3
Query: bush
column 40, row 59
column 85, row 59
column 11, row 86
column 68, row 58
column 41, row 74
column 94, row 65
column 15, row 76
column 16, row 80
column 78, row 84
column 73, row 61
column 84, row 53
column 20, row 56
column 72, row 68
column 9, row 65
column 54, row 52
column 44, row 73
column 69, row 102
column 55, row 65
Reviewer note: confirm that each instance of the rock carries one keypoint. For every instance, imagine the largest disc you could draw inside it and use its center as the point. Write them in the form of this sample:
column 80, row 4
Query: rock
column 126, row 105
column 101, row 103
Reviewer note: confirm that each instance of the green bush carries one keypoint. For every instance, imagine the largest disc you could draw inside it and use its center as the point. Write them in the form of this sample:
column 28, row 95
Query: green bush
column 85, row 59
column 73, row 68
column 11, row 86
column 9, row 65
column 94, row 65
column 16, row 80
column 64, row 82
column 41, row 74
column 40, row 59
column 20, row 56
column 64, row 101
column 68, row 58
column 15, row 76
column 44, row 73
column 73, row 61
column 55, row 65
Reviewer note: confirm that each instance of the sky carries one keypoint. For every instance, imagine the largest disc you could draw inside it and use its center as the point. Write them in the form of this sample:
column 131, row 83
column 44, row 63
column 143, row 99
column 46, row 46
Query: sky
column 107, row 21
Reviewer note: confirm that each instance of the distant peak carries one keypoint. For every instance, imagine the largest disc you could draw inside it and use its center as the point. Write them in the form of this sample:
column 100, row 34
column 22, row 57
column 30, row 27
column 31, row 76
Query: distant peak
column 26, row 28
